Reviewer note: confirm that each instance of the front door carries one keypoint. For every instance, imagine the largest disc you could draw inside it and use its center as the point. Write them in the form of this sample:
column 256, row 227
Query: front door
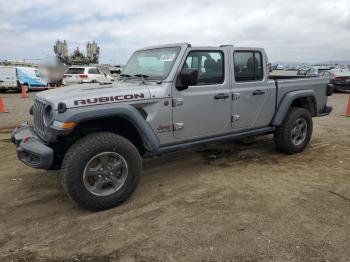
column 254, row 95
column 203, row 109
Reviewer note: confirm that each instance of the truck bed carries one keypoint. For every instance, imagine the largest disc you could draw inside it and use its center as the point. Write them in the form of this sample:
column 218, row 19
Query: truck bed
column 276, row 77
column 318, row 85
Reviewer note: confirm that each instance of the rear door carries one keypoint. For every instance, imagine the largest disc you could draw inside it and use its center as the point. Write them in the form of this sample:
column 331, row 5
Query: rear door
column 95, row 75
column 253, row 93
column 8, row 77
column 203, row 109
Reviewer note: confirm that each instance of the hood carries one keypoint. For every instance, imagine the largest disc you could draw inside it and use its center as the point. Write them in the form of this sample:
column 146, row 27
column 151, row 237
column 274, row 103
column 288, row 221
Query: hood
column 90, row 94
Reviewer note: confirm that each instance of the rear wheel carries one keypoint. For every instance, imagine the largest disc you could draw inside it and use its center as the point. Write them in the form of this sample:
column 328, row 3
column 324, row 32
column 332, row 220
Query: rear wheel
column 101, row 170
column 295, row 132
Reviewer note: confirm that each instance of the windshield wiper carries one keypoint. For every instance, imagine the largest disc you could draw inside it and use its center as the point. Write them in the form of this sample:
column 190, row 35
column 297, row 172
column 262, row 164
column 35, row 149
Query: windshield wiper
column 125, row 75
column 141, row 75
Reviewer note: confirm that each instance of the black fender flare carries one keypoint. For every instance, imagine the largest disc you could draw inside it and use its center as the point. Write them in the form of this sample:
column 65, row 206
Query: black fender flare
column 128, row 112
column 286, row 103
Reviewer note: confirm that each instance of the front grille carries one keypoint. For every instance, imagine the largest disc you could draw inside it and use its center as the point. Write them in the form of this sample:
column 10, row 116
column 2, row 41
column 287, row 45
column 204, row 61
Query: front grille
column 38, row 113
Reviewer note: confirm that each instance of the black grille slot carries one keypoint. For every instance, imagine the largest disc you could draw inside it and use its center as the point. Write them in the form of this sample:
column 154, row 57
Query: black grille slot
column 38, row 113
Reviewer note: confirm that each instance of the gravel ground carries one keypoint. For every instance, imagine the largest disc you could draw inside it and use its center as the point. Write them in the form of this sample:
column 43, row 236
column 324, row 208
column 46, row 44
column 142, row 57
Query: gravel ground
column 17, row 109
column 224, row 202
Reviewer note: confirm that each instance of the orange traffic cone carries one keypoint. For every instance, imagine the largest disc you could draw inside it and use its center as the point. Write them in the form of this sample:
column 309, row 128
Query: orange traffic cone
column 347, row 112
column 24, row 92
column 2, row 106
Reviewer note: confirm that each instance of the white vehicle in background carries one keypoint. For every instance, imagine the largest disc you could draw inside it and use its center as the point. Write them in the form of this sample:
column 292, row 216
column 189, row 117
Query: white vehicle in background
column 8, row 79
column 85, row 74
column 317, row 70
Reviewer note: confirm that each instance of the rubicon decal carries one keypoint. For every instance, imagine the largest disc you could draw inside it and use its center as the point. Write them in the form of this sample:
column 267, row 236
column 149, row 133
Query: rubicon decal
column 106, row 99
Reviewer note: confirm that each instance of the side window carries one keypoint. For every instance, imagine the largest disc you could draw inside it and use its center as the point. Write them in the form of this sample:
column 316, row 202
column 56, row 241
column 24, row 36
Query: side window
column 248, row 66
column 94, row 71
column 37, row 74
column 209, row 64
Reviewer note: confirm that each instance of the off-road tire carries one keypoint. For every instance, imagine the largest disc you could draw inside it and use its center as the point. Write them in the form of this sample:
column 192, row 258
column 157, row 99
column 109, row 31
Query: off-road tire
column 81, row 152
column 282, row 135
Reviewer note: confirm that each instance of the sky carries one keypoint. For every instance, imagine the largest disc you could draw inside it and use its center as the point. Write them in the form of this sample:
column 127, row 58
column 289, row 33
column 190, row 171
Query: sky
column 301, row 31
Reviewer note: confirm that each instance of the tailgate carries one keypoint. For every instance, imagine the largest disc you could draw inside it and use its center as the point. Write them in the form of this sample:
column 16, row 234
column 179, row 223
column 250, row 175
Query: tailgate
column 71, row 78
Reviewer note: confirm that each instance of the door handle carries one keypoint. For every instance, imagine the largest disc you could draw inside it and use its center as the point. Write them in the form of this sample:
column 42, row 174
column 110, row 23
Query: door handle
column 221, row 96
column 258, row 92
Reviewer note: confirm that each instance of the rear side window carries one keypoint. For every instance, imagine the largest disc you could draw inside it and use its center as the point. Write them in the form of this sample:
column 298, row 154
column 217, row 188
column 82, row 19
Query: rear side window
column 75, row 71
column 248, row 66
column 94, row 71
column 209, row 64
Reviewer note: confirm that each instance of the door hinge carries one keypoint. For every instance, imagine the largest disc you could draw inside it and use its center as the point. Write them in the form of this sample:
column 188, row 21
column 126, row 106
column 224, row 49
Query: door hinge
column 234, row 118
column 236, row 96
column 178, row 126
column 178, row 102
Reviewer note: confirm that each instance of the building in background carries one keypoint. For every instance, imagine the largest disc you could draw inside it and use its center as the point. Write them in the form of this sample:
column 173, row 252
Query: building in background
column 77, row 57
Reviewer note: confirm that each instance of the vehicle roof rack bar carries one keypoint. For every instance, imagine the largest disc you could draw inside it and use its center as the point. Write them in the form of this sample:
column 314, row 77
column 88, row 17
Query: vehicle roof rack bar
column 225, row 45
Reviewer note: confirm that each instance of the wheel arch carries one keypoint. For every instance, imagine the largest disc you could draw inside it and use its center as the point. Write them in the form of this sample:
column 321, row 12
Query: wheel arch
column 303, row 98
column 124, row 120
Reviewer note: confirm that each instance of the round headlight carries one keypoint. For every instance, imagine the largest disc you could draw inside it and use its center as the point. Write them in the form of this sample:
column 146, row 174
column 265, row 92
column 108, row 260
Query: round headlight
column 48, row 112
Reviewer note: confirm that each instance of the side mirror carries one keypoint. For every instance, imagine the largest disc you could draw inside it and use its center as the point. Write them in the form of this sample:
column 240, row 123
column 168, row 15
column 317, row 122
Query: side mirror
column 187, row 77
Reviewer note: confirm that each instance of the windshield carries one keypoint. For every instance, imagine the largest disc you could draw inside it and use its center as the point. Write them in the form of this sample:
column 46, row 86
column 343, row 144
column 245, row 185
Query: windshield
column 38, row 73
column 75, row 71
column 152, row 63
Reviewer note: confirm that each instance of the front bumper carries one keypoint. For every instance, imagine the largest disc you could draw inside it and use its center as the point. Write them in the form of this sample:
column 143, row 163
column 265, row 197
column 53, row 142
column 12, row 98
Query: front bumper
column 30, row 149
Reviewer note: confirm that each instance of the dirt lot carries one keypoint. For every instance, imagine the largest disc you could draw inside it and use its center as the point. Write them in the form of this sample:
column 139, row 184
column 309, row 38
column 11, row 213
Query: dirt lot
column 224, row 202
column 17, row 109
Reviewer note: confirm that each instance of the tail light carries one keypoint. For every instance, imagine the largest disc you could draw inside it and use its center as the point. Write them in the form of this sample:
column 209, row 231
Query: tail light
column 340, row 78
column 83, row 76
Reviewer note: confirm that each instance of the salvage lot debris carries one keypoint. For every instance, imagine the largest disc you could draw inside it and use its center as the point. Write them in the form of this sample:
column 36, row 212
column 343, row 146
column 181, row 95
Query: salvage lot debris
column 249, row 203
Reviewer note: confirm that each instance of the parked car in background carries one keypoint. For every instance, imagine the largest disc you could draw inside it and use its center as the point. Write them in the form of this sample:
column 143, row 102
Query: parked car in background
column 340, row 78
column 317, row 70
column 8, row 80
column 85, row 74
column 115, row 70
column 277, row 67
column 302, row 71
column 31, row 77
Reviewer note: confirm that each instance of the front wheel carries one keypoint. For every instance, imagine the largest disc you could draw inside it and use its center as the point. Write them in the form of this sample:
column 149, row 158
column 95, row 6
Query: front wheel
column 101, row 170
column 295, row 132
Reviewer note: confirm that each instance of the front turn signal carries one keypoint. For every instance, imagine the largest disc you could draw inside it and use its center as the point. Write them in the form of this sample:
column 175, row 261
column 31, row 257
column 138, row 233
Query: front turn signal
column 64, row 125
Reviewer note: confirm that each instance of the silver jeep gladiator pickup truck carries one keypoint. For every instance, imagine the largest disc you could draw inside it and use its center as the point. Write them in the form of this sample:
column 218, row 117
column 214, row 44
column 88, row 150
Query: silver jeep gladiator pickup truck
column 168, row 98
